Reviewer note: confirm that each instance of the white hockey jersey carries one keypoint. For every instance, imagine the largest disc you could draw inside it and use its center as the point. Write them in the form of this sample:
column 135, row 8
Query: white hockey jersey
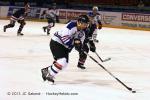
column 67, row 34
column 95, row 18
column 51, row 14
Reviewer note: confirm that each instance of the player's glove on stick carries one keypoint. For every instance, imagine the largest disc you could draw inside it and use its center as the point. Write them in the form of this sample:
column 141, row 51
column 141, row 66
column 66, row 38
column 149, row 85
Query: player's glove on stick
column 78, row 45
column 92, row 46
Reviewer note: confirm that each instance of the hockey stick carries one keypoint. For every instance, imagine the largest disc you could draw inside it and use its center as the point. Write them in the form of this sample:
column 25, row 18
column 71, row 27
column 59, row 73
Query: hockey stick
column 107, row 59
column 130, row 89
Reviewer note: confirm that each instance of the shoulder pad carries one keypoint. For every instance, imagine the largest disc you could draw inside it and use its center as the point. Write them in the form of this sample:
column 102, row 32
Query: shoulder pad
column 71, row 24
column 90, row 14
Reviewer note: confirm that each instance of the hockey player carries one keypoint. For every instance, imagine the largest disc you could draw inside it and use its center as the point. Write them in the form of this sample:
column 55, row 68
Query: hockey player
column 91, row 35
column 56, row 10
column 72, row 35
column 88, row 44
column 51, row 19
column 95, row 24
column 18, row 16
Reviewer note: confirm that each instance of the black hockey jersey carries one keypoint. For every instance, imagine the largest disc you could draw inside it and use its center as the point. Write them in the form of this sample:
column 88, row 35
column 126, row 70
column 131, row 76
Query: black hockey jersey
column 19, row 13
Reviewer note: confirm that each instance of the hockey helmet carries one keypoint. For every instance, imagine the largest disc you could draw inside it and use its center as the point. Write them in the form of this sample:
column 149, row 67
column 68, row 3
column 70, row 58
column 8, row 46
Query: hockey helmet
column 83, row 19
column 95, row 8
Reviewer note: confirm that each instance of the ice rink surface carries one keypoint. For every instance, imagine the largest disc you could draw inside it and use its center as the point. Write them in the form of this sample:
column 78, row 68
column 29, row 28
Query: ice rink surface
column 21, row 59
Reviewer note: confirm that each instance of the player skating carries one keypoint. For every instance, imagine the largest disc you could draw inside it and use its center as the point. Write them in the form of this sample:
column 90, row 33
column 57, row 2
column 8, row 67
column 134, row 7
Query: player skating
column 88, row 44
column 95, row 22
column 91, row 35
column 18, row 16
column 51, row 19
column 72, row 35
column 56, row 10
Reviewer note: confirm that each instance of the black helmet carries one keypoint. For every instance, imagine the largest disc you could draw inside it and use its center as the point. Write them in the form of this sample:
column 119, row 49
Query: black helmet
column 83, row 19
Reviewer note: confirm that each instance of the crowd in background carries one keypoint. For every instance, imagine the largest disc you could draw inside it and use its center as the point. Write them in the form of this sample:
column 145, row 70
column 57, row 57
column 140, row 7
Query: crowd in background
column 66, row 3
column 104, row 5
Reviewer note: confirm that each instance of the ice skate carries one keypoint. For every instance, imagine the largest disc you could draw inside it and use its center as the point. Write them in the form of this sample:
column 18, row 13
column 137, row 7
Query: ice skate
column 95, row 40
column 20, row 34
column 46, row 75
column 48, row 31
column 44, row 29
column 4, row 29
column 81, row 66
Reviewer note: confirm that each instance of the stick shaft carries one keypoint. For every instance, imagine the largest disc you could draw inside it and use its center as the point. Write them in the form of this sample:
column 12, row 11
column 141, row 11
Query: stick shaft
column 101, row 58
column 98, row 56
column 130, row 89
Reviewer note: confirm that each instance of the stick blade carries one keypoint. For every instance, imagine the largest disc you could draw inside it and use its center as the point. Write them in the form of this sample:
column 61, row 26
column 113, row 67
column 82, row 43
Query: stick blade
column 106, row 59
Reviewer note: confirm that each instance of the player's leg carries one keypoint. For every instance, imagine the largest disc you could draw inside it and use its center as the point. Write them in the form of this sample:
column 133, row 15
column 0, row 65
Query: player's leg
column 51, row 23
column 82, row 57
column 44, row 28
column 61, row 61
column 93, row 30
column 22, row 23
column 50, row 72
column 10, row 25
column 95, row 36
column 57, row 19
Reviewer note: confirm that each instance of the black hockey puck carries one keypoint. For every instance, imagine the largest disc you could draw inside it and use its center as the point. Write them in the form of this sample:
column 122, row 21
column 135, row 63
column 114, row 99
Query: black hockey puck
column 133, row 91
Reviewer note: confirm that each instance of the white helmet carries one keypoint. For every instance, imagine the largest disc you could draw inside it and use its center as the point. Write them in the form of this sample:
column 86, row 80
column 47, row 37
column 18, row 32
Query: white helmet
column 95, row 8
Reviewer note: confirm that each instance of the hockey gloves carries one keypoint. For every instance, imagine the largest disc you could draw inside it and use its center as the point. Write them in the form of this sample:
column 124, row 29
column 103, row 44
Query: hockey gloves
column 78, row 45
column 92, row 46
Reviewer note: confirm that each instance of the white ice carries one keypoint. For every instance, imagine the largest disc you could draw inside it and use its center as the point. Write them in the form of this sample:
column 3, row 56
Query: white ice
column 21, row 59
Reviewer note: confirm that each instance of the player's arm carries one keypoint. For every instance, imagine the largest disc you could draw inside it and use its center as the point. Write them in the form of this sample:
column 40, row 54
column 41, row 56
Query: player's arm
column 99, row 24
column 78, row 40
